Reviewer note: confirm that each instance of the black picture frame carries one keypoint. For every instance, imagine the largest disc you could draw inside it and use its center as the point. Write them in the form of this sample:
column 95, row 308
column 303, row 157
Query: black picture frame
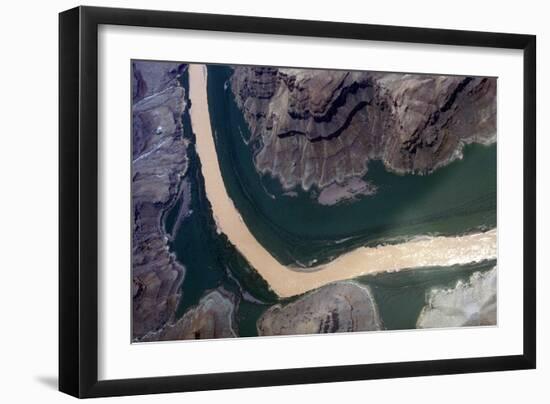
column 78, row 200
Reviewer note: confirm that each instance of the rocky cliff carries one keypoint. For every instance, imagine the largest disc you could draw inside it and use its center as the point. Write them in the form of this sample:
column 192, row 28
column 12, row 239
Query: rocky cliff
column 319, row 128
column 470, row 303
column 159, row 161
column 337, row 307
column 213, row 317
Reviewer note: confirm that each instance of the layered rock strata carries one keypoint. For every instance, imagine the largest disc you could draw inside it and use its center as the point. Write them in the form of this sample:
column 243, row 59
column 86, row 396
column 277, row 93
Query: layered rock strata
column 314, row 128
column 159, row 161
column 471, row 303
column 213, row 317
column 337, row 307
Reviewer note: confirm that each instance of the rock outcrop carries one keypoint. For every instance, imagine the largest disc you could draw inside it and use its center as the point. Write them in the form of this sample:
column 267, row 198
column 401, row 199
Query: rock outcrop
column 471, row 303
column 159, row 162
column 337, row 307
column 213, row 317
column 352, row 188
column 315, row 128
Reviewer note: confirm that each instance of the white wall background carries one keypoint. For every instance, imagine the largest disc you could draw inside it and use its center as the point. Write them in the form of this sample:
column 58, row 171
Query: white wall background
column 28, row 214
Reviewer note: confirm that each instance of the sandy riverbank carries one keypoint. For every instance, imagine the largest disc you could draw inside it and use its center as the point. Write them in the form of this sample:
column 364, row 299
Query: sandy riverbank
column 433, row 251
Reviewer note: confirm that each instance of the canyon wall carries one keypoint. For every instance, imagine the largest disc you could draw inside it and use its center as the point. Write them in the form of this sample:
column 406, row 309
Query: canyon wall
column 319, row 128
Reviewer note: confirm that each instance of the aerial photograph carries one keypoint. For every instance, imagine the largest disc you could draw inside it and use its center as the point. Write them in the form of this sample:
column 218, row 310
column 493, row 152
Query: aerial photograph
column 270, row 201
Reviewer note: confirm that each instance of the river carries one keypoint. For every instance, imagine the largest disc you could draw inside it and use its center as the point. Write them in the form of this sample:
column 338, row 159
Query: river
column 456, row 200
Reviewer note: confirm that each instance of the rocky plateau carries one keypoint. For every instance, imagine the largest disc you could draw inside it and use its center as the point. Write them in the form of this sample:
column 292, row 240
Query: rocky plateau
column 159, row 153
column 213, row 317
column 319, row 128
column 338, row 307
column 470, row 303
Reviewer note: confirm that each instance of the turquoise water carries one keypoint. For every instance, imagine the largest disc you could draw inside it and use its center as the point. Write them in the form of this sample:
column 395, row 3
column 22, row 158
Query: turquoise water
column 454, row 200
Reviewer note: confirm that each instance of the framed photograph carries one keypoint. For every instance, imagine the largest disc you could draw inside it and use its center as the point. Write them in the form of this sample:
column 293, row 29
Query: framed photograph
column 251, row 201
